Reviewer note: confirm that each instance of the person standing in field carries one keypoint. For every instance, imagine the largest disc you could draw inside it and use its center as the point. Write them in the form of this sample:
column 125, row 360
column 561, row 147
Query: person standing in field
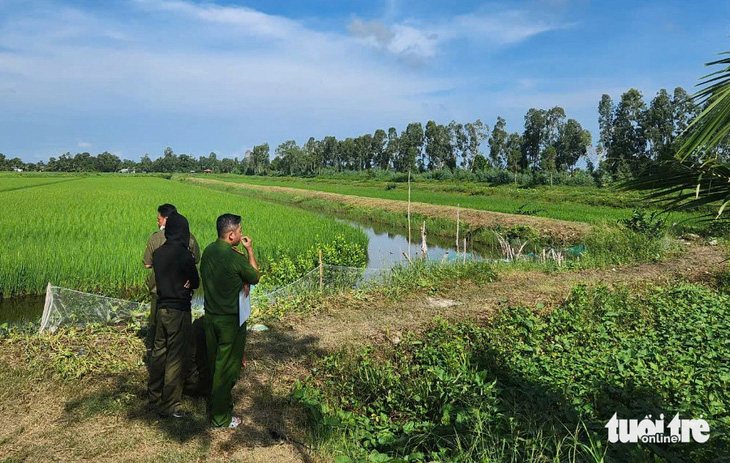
column 225, row 271
column 155, row 241
column 175, row 277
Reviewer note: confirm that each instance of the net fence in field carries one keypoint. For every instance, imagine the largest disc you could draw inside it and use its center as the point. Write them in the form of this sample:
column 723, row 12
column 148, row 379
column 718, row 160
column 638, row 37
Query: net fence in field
column 70, row 307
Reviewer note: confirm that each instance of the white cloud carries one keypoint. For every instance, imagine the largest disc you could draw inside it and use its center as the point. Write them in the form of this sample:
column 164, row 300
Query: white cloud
column 244, row 19
column 185, row 69
column 285, row 67
column 502, row 28
column 492, row 30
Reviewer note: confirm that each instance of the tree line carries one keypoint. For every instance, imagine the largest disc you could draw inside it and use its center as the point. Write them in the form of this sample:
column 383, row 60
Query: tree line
column 633, row 134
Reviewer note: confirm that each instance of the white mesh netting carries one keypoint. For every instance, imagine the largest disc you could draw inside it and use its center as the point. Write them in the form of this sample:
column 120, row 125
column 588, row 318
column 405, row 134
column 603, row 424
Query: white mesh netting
column 69, row 307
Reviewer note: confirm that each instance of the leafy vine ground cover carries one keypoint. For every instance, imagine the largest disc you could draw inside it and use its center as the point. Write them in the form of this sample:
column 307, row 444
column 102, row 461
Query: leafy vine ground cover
column 534, row 388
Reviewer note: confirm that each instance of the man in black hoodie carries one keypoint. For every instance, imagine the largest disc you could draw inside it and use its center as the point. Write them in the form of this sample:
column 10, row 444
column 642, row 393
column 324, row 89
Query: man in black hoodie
column 175, row 277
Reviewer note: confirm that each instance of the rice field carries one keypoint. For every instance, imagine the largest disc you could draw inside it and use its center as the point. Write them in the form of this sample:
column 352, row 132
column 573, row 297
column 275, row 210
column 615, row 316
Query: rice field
column 9, row 182
column 89, row 233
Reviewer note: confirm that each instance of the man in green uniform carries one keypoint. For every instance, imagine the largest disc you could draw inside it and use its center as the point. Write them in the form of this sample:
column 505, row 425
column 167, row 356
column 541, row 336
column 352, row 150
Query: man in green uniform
column 225, row 271
column 155, row 241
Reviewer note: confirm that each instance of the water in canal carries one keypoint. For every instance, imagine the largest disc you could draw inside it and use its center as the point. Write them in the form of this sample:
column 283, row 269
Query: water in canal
column 386, row 248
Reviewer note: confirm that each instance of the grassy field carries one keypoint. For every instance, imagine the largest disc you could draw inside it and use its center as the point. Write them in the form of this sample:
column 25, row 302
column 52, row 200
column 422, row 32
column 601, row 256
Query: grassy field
column 573, row 203
column 89, row 232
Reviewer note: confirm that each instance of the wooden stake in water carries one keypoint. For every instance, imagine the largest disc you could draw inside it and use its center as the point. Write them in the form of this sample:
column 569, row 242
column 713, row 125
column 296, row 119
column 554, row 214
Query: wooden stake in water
column 457, row 229
column 424, row 246
column 465, row 250
column 320, row 270
column 409, row 214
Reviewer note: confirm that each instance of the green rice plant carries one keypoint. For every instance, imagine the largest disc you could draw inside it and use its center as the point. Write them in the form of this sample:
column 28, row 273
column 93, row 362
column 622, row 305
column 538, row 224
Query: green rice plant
column 89, row 234
column 9, row 182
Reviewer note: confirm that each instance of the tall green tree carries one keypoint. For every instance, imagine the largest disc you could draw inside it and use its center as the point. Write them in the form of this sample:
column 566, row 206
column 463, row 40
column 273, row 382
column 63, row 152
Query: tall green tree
column 289, row 158
column 628, row 141
column 476, row 133
column 107, row 162
column 685, row 110
column 330, row 152
column 458, row 145
column 145, row 163
column 439, row 149
column 392, row 147
column 572, row 144
column 659, row 126
column 606, row 111
column 498, row 143
column 365, row 155
column 547, row 161
column 380, row 159
column 698, row 174
column 410, row 147
column 514, row 150
column 533, row 137
column 260, row 158
column 187, row 163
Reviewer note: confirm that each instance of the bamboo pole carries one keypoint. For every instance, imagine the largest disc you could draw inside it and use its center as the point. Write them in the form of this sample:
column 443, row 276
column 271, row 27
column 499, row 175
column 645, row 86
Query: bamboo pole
column 424, row 245
column 409, row 214
column 457, row 229
column 465, row 250
column 320, row 271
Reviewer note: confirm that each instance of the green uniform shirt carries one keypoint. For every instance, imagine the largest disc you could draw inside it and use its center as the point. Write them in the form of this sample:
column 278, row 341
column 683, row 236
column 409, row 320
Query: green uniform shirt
column 224, row 270
column 156, row 240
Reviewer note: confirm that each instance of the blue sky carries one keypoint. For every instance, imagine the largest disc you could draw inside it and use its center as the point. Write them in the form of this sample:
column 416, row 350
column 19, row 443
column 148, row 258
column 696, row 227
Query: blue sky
column 135, row 76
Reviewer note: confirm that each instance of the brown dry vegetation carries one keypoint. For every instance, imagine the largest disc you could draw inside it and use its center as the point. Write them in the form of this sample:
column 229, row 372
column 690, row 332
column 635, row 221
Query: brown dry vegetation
column 103, row 415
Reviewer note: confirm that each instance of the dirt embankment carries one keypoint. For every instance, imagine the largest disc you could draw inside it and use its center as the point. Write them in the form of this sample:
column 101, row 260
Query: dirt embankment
column 561, row 230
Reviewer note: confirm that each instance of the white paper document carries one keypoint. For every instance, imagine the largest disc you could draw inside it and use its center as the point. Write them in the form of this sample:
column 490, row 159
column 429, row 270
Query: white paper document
column 244, row 307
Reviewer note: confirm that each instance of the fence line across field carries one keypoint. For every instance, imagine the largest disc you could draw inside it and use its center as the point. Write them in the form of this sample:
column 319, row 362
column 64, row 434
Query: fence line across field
column 64, row 306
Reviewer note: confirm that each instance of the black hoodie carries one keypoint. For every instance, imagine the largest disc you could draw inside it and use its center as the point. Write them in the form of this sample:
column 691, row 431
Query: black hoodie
column 174, row 265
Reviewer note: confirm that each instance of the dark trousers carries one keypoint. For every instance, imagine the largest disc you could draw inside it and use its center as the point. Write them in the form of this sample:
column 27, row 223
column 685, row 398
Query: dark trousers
column 168, row 362
column 225, row 341
column 152, row 323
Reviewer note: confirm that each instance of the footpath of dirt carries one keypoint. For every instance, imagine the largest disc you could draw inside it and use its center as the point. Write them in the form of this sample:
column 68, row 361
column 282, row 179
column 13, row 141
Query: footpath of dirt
column 563, row 231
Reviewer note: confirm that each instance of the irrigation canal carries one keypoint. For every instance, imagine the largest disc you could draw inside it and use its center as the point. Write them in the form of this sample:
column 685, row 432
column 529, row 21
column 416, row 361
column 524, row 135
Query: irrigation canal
column 386, row 248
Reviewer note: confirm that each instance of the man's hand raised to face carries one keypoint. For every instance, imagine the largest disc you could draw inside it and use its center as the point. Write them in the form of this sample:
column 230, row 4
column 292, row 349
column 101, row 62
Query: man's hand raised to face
column 247, row 243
